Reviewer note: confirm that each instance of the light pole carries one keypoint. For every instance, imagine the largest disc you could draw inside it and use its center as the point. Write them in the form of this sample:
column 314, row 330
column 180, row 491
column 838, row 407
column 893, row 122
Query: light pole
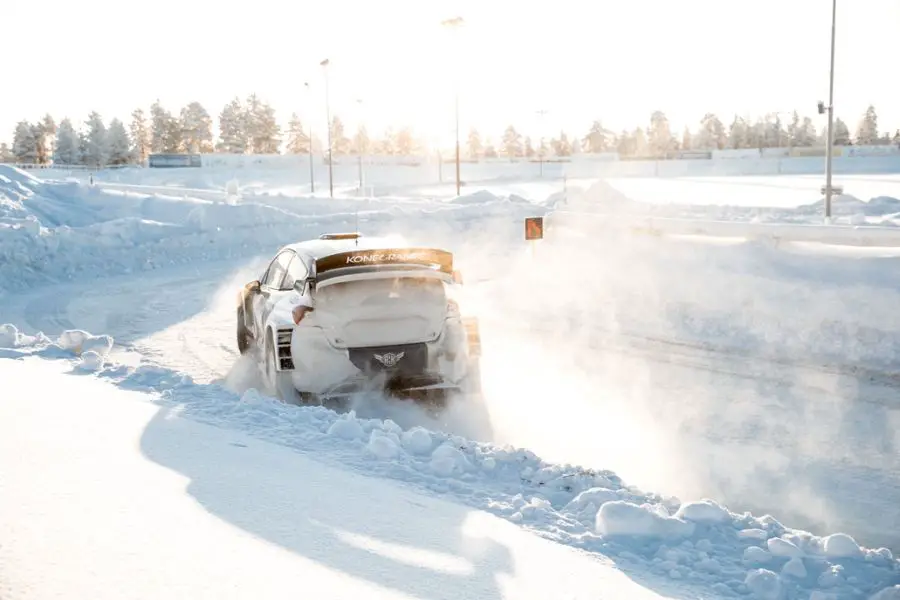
column 312, row 175
column 324, row 64
column 359, row 146
column 829, row 149
column 454, row 23
column 541, row 114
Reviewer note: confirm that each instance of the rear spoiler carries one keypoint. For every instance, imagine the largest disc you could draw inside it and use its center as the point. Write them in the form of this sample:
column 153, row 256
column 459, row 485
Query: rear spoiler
column 356, row 261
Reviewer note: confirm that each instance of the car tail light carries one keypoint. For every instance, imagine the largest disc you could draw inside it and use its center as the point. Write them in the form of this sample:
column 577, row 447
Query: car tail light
column 299, row 312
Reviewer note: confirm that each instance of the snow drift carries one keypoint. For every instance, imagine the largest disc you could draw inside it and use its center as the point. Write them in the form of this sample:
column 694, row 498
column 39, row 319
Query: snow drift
column 700, row 543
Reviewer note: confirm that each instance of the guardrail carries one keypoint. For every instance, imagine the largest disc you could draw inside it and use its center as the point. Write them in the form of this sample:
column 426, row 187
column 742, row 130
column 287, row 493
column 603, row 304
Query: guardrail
column 846, row 235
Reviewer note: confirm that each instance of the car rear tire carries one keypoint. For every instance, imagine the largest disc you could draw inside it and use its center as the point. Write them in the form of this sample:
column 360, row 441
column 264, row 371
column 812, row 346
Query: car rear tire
column 244, row 337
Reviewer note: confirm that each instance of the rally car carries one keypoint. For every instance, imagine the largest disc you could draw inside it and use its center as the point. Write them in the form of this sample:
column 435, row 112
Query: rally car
column 344, row 313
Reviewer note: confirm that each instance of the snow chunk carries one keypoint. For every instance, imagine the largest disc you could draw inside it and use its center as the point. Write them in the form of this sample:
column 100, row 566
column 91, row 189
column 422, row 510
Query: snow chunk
column 348, row 428
column 755, row 555
column 9, row 336
column 591, row 500
column 447, row 459
column 384, row 445
column 753, row 534
column 794, row 568
column 703, row 511
column 620, row 518
column 79, row 341
column 782, row 547
column 763, row 584
column 841, row 545
column 417, row 440
column 91, row 361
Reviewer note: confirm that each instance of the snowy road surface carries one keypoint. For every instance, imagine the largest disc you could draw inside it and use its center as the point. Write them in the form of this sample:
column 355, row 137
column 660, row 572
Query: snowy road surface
column 160, row 507
column 818, row 448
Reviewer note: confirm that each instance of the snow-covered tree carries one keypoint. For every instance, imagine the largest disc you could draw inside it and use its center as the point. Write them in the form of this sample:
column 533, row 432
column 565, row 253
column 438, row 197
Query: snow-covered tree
column 598, row 139
column 711, row 135
column 867, row 132
column 196, row 129
column 233, row 132
column 6, row 155
column 160, row 129
column 529, row 148
column 96, row 143
column 118, row 146
column 841, row 133
column 340, row 143
column 25, row 144
column 561, row 145
column 404, row 142
column 141, row 139
column 512, row 142
column 361, row 142
column 739, row 133
column 474, row 145
column 45, row 135
column 387, row 144
column 687, row 139
column 660, row 134
column 68, row 144
column 490, row 151
column 297, row 137
column 263, row 130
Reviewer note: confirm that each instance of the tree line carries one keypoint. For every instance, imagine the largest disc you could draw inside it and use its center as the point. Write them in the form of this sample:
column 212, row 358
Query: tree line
column 250, row 126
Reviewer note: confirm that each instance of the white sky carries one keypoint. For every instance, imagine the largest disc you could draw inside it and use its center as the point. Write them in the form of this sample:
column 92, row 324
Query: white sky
column 579, row 59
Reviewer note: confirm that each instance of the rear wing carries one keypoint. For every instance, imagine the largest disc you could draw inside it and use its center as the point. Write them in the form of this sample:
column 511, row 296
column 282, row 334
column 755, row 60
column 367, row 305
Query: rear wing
column 385, row 259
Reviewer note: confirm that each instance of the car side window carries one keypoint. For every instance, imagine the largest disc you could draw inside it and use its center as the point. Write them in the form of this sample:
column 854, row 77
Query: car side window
column 276, row 271
column 296, row 271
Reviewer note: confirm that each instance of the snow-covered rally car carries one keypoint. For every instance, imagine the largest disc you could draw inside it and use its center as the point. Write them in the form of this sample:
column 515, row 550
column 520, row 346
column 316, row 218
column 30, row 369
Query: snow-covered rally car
column 344, row 313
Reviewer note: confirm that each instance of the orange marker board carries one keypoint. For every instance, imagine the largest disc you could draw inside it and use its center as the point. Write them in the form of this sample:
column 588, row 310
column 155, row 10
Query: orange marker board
column 534, row 228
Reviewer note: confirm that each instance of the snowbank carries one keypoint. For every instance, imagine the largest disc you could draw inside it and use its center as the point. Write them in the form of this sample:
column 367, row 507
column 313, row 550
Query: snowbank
column 56, row 230
column 699, row 543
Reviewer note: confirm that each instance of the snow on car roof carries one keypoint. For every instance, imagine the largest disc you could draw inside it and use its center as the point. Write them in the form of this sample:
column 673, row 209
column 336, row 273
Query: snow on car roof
column 317, row 248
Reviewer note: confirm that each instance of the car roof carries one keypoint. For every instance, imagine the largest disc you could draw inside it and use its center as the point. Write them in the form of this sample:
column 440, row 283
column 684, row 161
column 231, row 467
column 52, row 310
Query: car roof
column 318, row 248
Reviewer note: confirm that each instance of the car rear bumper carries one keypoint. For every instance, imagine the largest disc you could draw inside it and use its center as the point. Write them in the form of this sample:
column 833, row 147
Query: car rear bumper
column 421, row 367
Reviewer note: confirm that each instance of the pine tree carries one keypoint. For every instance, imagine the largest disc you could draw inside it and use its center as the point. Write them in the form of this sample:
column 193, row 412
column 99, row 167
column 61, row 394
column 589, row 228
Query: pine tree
column 234, row 137
column 598, row 139
column 297, row 138
column 6, row 155
column 512, row 142
column 118, row 145
column 45, row 135
column 529, row 148
column 711, row 135
column 660, row 135
column 25, row 145
column 841, row 133
column 68, row 144
column 96, row 143
column 262, row 127
column 196, row 128
column 361, row 142
column 687, row 139
column 561, row 146
column 474, row 146
column 404, row 142
column 160, row 129
column 140, row 136
column 867, row 132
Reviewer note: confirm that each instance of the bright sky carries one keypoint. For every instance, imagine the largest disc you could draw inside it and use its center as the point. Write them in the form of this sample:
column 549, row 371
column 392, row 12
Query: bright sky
column 579, row 59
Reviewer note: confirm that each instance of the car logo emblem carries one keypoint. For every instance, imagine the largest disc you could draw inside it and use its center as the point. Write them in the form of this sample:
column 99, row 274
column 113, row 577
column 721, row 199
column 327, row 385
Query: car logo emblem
column 389, row 359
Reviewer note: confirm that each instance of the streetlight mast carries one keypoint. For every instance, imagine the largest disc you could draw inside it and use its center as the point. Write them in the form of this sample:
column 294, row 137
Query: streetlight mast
column 829, row 151
column 324, row 64
column 454, row 23
column 312, row 175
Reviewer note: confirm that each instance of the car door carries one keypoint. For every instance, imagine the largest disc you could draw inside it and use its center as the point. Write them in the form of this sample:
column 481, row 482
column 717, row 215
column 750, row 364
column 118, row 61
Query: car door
column 269, row 292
